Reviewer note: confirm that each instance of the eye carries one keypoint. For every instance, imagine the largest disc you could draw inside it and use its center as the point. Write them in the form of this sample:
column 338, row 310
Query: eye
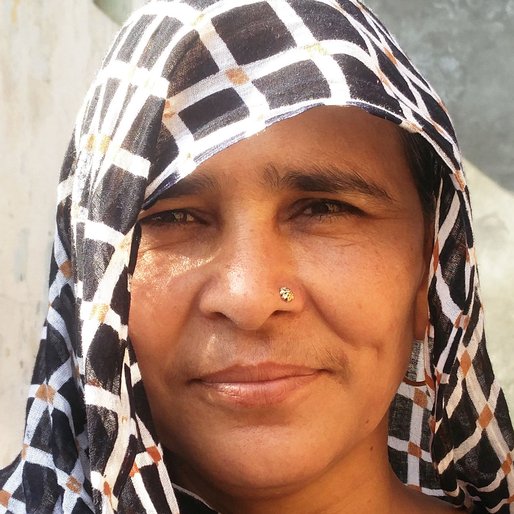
column 322, row 208
column 171, row 217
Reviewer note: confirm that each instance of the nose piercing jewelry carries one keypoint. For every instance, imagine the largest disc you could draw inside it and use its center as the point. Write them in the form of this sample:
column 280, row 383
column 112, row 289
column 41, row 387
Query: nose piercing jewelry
column 286, row 294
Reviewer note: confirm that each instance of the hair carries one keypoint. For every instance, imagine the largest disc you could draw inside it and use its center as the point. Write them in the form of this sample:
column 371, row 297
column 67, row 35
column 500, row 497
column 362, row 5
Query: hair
column 427, row 169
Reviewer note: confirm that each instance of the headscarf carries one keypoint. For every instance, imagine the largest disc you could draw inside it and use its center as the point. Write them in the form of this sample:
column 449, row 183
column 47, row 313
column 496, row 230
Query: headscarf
column 182, row 81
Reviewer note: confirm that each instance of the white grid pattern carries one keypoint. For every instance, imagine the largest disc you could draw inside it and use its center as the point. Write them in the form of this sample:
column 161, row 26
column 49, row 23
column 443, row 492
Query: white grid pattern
column 100, row 147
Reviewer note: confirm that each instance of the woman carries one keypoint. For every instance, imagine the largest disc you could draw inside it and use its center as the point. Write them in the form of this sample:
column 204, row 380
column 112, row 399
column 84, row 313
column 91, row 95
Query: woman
column 269, row 300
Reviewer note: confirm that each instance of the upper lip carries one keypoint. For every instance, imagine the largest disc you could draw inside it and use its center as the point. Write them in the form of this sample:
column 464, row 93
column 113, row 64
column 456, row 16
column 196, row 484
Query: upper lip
column 262, row 372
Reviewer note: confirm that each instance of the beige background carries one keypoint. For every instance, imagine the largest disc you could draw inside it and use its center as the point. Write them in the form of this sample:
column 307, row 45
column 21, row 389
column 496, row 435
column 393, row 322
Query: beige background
column 49, row 52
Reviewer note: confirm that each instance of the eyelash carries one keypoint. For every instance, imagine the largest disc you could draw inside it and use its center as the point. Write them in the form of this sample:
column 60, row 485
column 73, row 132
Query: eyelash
column 335, row 208
column 170, row 217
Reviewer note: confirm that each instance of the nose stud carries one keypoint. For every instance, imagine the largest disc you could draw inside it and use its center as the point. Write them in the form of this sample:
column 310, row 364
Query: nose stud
column 286, row 294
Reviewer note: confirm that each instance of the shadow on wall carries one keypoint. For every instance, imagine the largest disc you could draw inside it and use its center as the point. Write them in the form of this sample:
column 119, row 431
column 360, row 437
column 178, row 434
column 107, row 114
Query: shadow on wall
column 118, row 10
column 465, row 49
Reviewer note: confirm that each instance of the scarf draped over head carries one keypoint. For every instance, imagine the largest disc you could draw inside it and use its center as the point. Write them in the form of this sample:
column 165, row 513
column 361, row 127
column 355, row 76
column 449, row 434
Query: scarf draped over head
column 182, row 81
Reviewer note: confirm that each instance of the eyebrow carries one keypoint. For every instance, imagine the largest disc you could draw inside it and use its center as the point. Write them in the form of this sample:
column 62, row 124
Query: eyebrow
column 312, row 178
column 324, row 179
column 194, row 184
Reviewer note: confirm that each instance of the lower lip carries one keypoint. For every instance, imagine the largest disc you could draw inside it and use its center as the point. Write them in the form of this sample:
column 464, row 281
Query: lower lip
column 258, row 394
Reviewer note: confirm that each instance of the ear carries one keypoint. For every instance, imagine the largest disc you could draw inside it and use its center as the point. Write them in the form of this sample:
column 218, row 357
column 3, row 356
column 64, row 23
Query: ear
column 421, row 309
column 421, row 314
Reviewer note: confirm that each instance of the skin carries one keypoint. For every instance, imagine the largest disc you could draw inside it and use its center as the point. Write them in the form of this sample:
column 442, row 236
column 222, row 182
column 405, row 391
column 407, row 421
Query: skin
column 212, row 258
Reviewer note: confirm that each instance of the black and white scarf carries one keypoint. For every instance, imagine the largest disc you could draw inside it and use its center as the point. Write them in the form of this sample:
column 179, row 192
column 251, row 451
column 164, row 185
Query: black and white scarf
column 182, row 81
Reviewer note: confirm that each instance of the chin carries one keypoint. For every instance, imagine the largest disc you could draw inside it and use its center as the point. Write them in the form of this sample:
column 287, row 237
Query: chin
column 268, row 465
column 252, row 479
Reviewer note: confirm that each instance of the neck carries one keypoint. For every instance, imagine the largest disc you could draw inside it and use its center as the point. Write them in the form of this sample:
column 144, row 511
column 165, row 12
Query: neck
column 361, row 481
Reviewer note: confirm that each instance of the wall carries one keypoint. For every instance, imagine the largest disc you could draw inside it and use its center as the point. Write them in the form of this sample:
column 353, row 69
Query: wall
column 49, row 52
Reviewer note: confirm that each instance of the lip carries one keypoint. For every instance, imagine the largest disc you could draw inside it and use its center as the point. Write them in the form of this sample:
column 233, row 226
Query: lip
column 258, row 385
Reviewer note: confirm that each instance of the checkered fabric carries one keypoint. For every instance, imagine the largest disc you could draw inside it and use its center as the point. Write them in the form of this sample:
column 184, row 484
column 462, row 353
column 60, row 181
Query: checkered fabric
column 182, row 81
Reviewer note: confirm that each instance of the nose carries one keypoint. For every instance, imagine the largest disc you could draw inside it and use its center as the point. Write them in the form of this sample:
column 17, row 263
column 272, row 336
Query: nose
column 244, row 285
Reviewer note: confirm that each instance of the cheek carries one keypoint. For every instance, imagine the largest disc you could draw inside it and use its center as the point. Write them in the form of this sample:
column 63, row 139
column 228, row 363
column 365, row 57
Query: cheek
column 162, row 294
column 163, row 290
column 366, row 293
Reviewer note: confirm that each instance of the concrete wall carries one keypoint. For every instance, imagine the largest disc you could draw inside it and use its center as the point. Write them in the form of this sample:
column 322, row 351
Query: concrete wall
column 49, row 52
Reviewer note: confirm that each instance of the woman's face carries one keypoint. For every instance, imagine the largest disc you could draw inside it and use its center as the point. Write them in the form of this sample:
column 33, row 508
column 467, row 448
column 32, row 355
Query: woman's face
column 247, row 391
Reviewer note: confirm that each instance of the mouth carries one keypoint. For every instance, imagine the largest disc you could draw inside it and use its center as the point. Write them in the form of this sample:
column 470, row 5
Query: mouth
column 256, row 385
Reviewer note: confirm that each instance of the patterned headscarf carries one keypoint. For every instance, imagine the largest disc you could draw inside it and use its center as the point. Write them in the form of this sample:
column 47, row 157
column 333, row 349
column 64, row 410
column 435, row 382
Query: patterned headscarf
column 182, row 81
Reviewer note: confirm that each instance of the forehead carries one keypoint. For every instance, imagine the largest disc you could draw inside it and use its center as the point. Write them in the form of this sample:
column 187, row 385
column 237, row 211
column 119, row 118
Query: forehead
column 346, row 143
column 332, row 130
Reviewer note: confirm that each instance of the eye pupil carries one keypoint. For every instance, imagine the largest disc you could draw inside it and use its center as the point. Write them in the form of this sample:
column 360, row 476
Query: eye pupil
column 171, row 217
column 324, row 207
